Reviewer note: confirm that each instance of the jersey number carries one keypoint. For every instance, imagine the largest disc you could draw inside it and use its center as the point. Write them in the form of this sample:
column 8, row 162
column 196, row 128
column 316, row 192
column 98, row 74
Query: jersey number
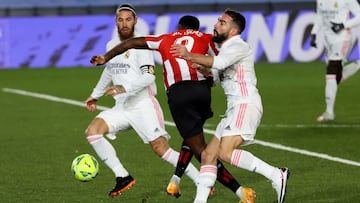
column 187, row 41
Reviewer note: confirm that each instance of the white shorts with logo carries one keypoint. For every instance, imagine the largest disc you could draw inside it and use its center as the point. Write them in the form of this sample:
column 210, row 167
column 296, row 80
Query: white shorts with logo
column 240, row 120
column 145, row 117
column 337, row 46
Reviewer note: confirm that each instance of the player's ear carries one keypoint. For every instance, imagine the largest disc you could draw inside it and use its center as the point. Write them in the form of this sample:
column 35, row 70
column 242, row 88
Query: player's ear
column 234, row 31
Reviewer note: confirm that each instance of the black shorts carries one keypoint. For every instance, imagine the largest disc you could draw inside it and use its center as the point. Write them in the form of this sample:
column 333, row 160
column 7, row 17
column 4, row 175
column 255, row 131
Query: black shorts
column 190, row 106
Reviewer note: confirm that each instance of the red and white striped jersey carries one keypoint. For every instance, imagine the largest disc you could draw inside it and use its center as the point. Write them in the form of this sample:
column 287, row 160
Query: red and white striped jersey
column 177, row 69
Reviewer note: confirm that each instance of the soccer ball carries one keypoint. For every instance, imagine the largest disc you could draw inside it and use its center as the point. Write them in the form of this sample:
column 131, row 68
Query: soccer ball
column 85, row 167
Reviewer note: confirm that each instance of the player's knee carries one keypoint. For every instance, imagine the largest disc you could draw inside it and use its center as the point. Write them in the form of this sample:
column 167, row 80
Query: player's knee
column 92, row 130
column 159, row 146
column 96, row 127
column 89, row 131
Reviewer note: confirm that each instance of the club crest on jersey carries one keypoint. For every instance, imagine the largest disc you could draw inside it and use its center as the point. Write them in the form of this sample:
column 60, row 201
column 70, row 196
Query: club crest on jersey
column 127, row 54
column 151, row 70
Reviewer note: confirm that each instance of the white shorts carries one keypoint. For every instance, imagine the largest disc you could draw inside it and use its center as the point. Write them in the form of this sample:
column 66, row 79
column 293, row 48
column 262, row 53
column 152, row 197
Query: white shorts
column 337, row 46
column 145, row 117
column 241, row 120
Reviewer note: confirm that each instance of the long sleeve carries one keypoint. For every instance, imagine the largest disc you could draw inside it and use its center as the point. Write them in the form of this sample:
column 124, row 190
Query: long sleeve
column 103, row 83
column 235, row 50
column 145, row 80
column 317, row 23
column 354, row 7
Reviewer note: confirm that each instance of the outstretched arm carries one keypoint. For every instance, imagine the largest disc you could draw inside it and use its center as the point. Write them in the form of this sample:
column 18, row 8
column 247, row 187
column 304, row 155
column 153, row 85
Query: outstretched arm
column 180, row 50
column 136, row 43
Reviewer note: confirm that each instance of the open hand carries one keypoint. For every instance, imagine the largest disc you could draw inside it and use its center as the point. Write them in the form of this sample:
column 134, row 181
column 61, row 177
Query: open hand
column 180, row 50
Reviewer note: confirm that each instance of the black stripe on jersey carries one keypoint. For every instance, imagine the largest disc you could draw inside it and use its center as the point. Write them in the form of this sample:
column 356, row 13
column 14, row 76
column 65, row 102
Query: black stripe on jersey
column 148, row 69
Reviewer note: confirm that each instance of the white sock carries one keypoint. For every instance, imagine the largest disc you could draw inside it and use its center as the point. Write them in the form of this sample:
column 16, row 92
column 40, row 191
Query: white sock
column 205, row 181
column 330, row 92
column 239, row 192
column 246, row 160
column 107, row 154
column 172, row 156
column 349, row 70
column 175, row 179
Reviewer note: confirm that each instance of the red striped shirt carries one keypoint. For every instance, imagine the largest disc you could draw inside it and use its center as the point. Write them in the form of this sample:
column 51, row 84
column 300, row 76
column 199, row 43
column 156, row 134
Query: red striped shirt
column 177, row 69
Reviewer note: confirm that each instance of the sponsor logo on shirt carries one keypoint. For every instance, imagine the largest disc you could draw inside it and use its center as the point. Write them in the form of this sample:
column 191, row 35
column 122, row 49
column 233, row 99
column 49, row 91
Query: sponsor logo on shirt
column 118, row 68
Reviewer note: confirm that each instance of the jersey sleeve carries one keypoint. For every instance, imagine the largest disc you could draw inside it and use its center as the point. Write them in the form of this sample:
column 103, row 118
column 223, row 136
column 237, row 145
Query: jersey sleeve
column 230, row 55
column 146, row 79
column 215, row 75
column 354, row 8
column 103, row 83
column 154, row 42
column 317, row 23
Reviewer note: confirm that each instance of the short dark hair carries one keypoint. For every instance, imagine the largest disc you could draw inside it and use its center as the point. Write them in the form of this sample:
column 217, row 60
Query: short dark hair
column 238, row 19
column 189, row 22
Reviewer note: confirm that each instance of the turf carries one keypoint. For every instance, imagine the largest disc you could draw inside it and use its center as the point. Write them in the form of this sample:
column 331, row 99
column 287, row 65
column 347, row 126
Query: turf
column 39, row 139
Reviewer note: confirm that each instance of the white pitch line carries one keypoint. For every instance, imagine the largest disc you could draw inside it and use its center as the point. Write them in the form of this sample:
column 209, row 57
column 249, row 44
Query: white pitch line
column 311, row 126
column 263, row 143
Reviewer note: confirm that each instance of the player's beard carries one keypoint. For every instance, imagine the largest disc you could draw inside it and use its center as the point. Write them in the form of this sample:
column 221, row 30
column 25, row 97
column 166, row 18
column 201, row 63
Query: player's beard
column 126, row 34
column 218, row 38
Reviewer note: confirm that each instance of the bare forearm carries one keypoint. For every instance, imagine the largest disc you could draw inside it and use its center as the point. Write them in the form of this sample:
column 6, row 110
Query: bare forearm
column 136, row 43
column 206, row 61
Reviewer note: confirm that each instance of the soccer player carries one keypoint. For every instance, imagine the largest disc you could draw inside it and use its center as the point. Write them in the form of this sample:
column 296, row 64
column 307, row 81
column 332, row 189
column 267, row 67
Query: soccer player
column 234, row 66
column 188, row 91
column 136, row 107
column 333, row 19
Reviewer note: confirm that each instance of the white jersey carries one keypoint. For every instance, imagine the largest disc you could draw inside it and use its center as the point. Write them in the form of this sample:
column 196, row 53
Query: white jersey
column 235, row 67
column 126, row 70
column 339, row 44
column 337, row 11
column 137, row 108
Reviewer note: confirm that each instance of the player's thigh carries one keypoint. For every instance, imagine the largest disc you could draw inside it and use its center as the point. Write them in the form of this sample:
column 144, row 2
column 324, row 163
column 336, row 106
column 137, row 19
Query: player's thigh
column 97, row 126
column 115, row 119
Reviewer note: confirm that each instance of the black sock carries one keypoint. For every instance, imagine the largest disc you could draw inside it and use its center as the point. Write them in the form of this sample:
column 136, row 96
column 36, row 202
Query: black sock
column 225, row 178
column 183, row 160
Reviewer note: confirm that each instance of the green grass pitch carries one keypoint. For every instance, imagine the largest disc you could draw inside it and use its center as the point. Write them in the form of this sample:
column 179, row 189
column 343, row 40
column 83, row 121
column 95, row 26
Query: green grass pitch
column 39, row 139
